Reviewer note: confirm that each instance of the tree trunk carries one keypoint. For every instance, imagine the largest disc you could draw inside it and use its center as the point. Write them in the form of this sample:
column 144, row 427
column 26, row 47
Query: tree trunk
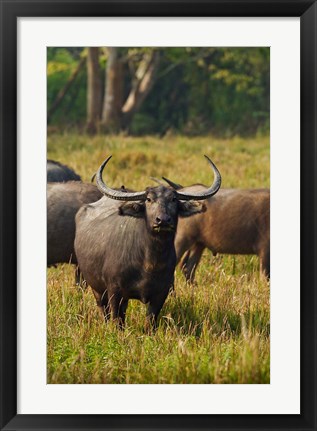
column 113, row 99
column 93, row 90
column 142, row 84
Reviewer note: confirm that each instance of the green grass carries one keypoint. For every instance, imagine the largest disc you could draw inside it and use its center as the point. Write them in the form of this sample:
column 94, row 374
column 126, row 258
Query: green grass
column 215, row 332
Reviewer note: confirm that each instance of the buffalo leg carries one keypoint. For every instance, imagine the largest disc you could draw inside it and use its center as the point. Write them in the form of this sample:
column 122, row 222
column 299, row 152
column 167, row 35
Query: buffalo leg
column 265, row 262
column 190, row 262
column 79, row 279
column 102, row 304
column 183, row 261
column 118, row 307
column 122, row 312
column 77, row 276
column 153, row 312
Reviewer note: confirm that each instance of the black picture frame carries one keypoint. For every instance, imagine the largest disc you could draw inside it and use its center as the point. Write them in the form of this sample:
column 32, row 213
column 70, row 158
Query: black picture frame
column 10, row 11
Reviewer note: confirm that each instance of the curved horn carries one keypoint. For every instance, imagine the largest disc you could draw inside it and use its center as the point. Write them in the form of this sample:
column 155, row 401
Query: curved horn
column 206, row 193
column 175, row 186
column 116, row 194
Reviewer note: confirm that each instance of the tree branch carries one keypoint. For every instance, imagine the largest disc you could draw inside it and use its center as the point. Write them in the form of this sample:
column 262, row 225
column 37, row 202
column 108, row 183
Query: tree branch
column 62, row 93
column 143, row 82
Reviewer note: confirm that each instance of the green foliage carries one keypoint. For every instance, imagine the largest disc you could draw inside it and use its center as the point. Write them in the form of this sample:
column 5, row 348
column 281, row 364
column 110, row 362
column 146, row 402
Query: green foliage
column 61, row 63
column 215, row 332
column 197, row 90
column 220, row 90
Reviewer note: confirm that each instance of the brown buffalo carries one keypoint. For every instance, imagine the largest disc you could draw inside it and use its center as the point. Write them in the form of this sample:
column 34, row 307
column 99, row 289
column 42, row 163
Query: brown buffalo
column 235, row 222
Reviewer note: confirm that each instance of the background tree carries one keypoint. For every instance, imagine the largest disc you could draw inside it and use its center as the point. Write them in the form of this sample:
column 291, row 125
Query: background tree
column 94, row 90
column 117, row 114
column 65, row 89
column 111, row 113
column 142, row 82
column 223, row 91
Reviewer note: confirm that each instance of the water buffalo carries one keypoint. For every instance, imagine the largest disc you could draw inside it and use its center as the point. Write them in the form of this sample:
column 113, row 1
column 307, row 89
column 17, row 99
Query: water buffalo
column 58, row 173
column 235, row 222
column 125, row 247
column 63, row 202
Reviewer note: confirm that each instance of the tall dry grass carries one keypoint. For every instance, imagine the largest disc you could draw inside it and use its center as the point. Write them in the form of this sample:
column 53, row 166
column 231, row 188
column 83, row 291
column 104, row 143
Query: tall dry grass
column 215, row 332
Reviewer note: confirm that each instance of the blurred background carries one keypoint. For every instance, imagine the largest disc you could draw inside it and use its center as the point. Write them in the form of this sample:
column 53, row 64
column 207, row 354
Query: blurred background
column 157, row 91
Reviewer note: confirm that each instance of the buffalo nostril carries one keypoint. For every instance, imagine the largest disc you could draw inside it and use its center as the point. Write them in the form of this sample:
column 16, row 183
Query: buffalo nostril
column 164, row 219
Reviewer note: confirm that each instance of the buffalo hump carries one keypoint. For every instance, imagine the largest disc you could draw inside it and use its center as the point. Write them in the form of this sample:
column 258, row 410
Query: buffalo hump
column 57, row 172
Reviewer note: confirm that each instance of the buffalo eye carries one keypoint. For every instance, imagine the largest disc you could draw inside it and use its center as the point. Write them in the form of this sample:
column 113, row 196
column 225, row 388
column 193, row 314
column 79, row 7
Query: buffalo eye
column 148, row 200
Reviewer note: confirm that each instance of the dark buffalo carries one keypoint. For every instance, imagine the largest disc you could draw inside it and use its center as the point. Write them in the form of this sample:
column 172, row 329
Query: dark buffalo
column 235, row 222
column 125, row 247
column 63, row 202
column 58, row 173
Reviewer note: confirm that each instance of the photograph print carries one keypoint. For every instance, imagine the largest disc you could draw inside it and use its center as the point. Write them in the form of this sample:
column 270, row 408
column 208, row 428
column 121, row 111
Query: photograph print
column 158, row 215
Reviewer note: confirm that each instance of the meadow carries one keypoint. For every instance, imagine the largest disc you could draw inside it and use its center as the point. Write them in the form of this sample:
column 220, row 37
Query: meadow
column 217, row 331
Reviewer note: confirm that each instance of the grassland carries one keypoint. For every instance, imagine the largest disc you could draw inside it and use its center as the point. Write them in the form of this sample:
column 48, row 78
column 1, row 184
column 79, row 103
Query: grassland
column 215, row 332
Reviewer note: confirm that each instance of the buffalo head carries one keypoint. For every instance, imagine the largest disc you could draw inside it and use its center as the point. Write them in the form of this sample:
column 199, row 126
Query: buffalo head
column 159, row 206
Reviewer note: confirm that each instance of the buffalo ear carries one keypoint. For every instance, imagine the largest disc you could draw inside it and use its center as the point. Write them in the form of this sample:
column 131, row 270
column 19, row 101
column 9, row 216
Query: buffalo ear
column 132, row 209
column 189, row 208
